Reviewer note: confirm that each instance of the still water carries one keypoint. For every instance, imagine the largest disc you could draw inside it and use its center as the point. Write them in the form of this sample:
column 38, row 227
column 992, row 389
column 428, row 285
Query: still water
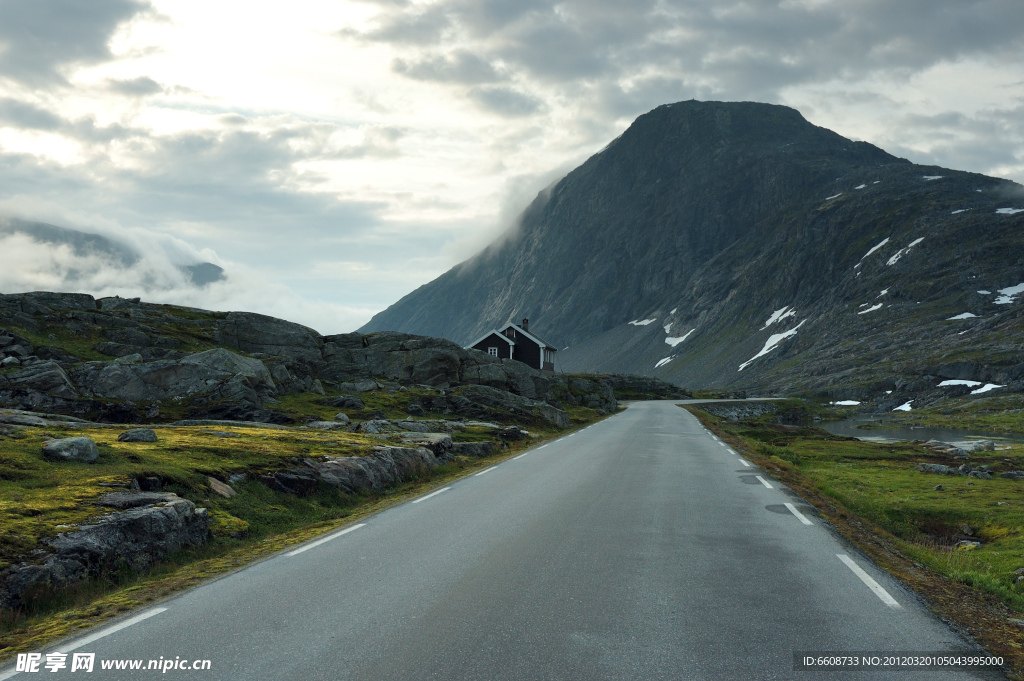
column 893, row 433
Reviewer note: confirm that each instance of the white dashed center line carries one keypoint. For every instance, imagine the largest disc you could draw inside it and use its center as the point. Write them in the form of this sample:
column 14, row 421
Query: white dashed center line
column 318, row 542
column 765, row 482
column 800, row 516
column 432, row 494
column 871, row 583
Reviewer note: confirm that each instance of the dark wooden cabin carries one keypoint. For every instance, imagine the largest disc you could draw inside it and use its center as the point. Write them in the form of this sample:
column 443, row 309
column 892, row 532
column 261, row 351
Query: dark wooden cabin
column 516, row 342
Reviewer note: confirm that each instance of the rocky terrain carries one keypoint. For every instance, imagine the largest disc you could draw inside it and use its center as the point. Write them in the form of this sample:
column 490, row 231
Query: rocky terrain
column 235, row 404
column 736, row 245
column 126, row 361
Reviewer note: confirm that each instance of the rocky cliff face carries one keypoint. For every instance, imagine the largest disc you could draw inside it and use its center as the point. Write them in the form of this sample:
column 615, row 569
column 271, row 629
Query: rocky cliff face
column 737, row 245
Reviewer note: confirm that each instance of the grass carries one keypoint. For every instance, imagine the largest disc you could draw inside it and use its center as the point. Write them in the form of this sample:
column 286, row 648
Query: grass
column 996, row 414
column 39, row 498
column 873, row 494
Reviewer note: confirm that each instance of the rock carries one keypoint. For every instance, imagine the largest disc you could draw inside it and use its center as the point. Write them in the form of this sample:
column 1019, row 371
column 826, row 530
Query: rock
column 967, row 545
column 45, row 377
column 438, row 443
column 134, row 358
column 384, row 468
column 376, row 426
column 477, row 449
column 9, row 362
column 415, row 409
column 342, row 417
column 966, row 529
column 982, row 475
column 358, row 387
column 124, row 500
column 138, row 435
column 346, row 402
column 298, row 481
column 220, row 488
column 939, row 488
column 18, row 351
column 72, row 449
column 935, row 468
column 511, row 434
column 149, row 484
column 1013, row 475
column 23, row 420
column 328, row 425
column 137, row 537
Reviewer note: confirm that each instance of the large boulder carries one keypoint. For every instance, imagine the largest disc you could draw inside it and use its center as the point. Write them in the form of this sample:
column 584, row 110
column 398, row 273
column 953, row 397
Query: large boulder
column 71, row 449
column 138, row 435
column 44, row 377
column 150, row 527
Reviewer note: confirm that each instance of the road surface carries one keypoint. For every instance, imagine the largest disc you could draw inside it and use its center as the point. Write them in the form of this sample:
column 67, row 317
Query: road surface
column 638, row 548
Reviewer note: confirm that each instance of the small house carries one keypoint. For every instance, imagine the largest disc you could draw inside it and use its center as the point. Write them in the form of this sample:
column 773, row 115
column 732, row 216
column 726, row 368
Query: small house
column 516, row 342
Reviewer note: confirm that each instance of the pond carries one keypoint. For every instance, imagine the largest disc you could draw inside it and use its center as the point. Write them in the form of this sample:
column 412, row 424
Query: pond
column 881, row 431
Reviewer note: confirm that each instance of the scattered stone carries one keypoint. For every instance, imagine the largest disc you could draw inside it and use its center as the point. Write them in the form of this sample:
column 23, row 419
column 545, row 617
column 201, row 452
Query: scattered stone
column 138, row 435
column 936, row 468
column 134, row 358
column 72, row 449
column 9, row 362
column 967, row 545
column 327, row 425
column 376, row 426
column 236, row 478
column 359, row 386
column 346, row 402
column 512, row 434
column 415, row 409
column 438, row 443
column 966, row 529
column 1019, row 623
column 1013, row 475
column 220, row 488
column 939, row 488
column 342, row 417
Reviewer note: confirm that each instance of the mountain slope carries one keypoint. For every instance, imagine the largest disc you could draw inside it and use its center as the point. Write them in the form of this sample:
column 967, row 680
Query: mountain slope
column 706, row 218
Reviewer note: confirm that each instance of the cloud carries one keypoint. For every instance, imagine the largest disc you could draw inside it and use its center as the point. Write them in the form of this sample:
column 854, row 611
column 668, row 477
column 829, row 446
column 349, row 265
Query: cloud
column 24, row 115
column 135, row 87
column 28, row 265
column 505, row 101
column 459, row 67
column 38, row 38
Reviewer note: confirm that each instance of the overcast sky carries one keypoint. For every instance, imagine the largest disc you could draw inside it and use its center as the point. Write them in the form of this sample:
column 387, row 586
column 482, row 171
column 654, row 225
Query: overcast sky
column 335, row 155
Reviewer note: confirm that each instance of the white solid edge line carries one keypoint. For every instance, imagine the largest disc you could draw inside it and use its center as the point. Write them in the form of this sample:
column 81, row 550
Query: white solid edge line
column 326, row 539
column 798, row 514
column 432, row 494
column 743, row 461
column 765, row 482
column 544, row 445
column 520, row 456
column 484, row 472
column 871, row 583
column 732, row 452
column 86, row 640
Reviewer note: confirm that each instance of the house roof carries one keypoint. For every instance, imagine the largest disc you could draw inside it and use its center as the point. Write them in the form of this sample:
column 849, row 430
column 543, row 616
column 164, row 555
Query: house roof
column 487, row 335
column 535, row 339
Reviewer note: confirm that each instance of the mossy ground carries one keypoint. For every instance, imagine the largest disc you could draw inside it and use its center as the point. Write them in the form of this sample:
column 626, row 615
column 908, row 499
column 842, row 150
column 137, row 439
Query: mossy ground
column 872, row 494
column 40, row 498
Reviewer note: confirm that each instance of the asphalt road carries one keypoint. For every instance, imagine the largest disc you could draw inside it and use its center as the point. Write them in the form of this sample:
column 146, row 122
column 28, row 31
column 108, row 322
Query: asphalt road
column 638, row 548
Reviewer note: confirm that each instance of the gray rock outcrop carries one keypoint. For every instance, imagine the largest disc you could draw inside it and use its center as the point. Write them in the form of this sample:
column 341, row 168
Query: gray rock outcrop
column 138, row 435
column 150, row 526
column 71, row 449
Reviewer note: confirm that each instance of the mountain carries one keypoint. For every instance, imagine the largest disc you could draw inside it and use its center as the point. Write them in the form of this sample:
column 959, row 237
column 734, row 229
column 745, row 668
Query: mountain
column 115, row 252
column 738, row 245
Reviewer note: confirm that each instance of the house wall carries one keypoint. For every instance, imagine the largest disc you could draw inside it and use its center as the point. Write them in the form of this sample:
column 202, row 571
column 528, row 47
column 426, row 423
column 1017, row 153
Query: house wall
column 494, row 340
column 527, row 352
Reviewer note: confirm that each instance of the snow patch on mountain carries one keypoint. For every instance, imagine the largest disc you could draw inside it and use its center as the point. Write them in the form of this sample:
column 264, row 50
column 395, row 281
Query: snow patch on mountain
column 1009, row 294
column 778, row 316
column 674, row 341
column 644, row 322
column 903, row 251
column 875, row 248
column 770, row 344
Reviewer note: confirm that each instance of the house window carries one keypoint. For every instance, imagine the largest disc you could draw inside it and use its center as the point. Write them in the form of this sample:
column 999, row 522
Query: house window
column 493, row 352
